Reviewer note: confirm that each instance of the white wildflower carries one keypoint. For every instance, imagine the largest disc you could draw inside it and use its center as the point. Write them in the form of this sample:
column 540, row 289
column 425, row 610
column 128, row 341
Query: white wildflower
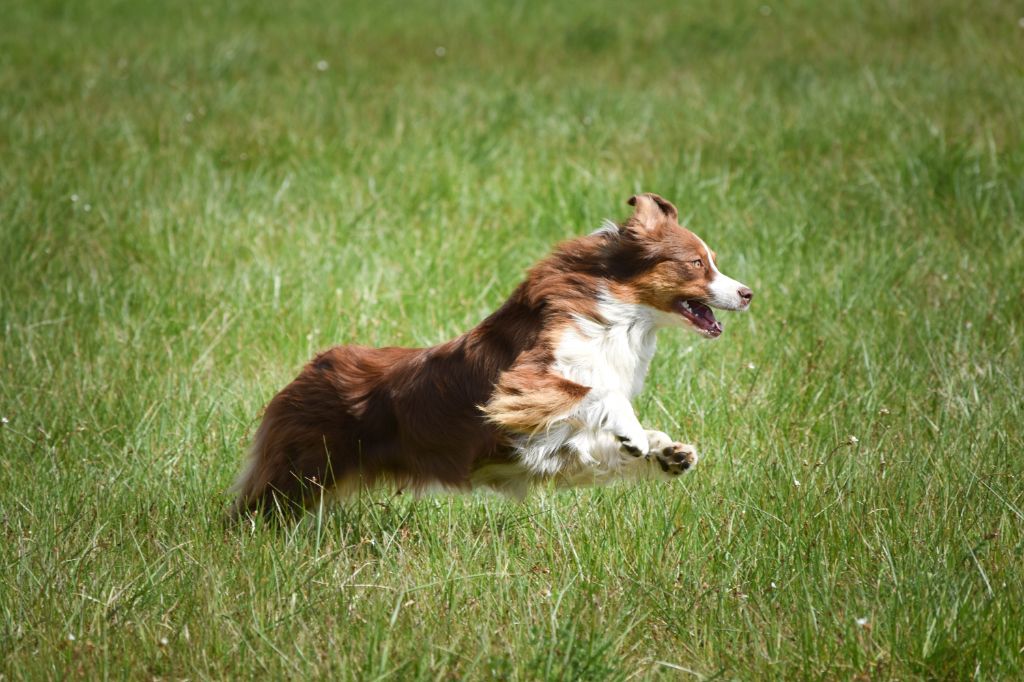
column 322, row 65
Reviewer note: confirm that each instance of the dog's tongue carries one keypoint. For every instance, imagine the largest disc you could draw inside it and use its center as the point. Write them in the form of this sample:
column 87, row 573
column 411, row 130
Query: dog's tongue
column 701, row 316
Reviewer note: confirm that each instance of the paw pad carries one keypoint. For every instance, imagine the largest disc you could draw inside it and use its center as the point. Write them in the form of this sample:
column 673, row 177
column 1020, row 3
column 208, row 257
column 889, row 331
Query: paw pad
column 676, row 458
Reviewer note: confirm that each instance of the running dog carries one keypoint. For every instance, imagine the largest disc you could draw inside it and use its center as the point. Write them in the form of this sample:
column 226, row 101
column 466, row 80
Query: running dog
column 539, row 390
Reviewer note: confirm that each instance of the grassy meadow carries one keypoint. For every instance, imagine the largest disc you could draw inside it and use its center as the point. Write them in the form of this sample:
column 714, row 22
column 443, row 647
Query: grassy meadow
column 195, row 197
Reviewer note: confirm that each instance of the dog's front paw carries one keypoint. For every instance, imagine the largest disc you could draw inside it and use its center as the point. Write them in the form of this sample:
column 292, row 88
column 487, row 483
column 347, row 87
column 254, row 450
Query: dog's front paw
column 676, row 458
column 634, row 444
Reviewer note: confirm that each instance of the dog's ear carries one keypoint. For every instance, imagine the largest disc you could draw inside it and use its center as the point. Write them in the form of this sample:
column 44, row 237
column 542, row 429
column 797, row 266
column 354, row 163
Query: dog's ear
column 650, row 211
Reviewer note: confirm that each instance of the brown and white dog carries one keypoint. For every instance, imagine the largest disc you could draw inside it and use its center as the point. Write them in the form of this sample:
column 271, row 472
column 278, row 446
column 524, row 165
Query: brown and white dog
column 539, row 390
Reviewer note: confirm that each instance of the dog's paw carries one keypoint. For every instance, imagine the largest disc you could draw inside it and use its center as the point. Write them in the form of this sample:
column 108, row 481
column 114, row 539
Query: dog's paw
column 675, row 458
column 658, row 440
column 634, row 445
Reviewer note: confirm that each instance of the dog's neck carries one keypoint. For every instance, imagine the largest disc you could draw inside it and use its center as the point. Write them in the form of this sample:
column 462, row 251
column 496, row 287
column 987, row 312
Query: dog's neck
column 598, row 340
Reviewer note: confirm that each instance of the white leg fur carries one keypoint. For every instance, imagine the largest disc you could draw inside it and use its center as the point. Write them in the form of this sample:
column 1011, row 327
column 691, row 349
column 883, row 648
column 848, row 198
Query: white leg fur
column 603, row 460
column 600, row 430
column 614, row 413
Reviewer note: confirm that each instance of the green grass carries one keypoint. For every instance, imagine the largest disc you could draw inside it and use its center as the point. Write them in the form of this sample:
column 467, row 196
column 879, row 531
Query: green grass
column 189, row 208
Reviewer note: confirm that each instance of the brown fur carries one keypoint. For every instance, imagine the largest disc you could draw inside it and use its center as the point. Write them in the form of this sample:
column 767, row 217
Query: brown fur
column 529, row 398
column 446, row 414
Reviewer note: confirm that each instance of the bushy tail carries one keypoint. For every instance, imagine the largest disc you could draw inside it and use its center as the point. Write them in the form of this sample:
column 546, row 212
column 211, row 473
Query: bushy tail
column 252, row 488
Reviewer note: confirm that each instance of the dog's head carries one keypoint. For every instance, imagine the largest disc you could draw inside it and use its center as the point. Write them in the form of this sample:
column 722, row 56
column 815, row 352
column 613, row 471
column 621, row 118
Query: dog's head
column 670, row 269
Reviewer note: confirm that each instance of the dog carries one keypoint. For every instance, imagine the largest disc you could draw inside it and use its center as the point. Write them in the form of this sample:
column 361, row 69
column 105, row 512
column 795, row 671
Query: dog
column 540, row 390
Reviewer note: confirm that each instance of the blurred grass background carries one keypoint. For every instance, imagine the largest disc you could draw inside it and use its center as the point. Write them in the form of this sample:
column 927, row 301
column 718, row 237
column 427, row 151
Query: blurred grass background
column 194, row 197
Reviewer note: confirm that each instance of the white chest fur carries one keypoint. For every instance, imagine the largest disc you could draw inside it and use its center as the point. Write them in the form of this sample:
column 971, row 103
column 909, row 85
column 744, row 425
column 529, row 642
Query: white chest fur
column 609, row 357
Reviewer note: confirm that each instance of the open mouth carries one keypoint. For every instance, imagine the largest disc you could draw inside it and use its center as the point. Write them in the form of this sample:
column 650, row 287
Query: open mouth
column 700, row 316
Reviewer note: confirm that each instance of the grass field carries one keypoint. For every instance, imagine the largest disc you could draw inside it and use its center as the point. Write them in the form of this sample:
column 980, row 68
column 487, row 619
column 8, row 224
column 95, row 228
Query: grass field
column 193, row 199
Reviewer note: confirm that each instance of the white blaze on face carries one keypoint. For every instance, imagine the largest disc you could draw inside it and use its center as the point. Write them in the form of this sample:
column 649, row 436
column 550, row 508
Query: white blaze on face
column 724, row 291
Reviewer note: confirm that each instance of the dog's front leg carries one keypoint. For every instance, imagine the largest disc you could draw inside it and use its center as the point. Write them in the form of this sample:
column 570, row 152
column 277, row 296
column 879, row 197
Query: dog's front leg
column 622, row 447
column 614, row 413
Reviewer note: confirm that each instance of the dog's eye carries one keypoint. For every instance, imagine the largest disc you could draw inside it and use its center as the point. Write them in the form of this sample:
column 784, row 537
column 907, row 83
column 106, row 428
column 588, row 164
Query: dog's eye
column 698, row 263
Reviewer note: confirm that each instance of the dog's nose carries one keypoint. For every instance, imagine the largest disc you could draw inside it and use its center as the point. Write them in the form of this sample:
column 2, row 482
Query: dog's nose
column 746, row 294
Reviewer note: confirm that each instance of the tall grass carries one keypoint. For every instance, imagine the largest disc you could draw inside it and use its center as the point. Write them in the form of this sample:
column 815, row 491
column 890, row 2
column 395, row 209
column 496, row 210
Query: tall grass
column 195, row 198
